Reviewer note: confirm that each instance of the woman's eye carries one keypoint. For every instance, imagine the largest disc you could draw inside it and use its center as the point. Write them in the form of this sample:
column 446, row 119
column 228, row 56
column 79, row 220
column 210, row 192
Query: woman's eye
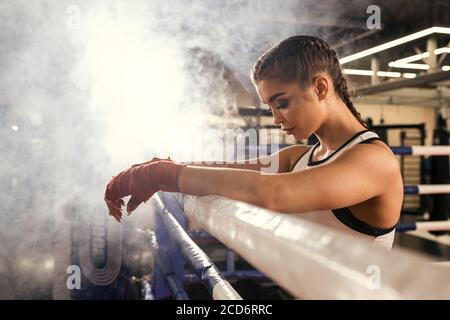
column 282, row 105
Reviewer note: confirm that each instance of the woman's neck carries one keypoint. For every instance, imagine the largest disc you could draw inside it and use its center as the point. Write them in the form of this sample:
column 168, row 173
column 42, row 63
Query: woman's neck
column 338, row 128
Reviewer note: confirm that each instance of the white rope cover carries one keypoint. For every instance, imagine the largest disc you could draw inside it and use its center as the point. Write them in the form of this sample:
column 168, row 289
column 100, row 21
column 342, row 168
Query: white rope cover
column 314, row 262
column 430, row 150
column 433, row 226
column 433, row 188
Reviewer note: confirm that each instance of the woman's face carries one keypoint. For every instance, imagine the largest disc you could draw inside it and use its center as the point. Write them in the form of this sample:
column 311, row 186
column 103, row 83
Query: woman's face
column 298, row 111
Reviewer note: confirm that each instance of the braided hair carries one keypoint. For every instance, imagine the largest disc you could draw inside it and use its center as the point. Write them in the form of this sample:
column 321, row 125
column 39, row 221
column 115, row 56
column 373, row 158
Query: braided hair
column 299, row 59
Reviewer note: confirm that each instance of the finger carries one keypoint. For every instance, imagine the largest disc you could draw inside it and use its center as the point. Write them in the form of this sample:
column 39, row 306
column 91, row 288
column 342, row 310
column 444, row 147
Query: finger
column 133, row 204
column 115, row 208
column 115, row 203
column 117, row 219
column 115, row 213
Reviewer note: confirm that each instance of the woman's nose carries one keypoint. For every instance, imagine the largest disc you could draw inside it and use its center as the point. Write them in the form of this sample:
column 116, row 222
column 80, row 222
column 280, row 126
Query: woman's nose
column 277, row 118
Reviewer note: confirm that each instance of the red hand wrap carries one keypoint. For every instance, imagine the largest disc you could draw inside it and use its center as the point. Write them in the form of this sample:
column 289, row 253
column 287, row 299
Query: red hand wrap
column 142, row 181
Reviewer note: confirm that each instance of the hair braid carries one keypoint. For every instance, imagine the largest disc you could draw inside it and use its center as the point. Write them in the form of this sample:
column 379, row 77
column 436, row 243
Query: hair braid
column 342, row 88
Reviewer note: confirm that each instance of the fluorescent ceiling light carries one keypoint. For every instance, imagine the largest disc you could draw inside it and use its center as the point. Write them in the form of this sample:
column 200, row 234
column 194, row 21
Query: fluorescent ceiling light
column 413, row 58
column 409, row 75
column 389, row 74
column 424, row 55
column 394, row 43
column 446, row 68
column 442, row 50
column 419, row 66
column 358, row 72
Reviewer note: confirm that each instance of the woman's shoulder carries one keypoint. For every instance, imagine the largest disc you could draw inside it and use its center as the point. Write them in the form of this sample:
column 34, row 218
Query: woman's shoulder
column 375, row 153
column 378, row 148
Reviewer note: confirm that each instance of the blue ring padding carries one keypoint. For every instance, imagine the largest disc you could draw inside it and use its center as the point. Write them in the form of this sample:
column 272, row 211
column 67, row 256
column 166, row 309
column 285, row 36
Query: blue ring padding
column 402, row 150
column 202, row 265
column 411, row 189
column 160, row 287
column 403, row 227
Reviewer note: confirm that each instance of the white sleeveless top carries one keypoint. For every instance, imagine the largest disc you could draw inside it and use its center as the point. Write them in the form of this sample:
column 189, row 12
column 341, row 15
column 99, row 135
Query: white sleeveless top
column 342, row 219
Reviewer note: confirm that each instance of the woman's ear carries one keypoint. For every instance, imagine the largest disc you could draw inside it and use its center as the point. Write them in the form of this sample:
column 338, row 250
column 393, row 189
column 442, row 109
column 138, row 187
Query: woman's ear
column 321, row 86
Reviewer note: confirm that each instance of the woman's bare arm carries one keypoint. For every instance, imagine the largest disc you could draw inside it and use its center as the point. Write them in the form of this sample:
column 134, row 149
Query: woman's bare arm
column 354, row 177
column 279, row 161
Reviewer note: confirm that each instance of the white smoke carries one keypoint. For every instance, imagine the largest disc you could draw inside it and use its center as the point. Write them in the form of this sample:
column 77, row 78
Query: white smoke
column 89, row 87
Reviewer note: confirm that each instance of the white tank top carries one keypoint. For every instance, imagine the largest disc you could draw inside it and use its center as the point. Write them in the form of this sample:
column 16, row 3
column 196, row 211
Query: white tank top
column 342, row 219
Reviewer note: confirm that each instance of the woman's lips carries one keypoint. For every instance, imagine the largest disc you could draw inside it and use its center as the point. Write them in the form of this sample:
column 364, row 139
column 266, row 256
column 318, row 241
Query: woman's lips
column 289, row 130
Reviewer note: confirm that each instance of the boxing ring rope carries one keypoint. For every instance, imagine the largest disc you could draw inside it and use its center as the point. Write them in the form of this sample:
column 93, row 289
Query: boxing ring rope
column 424, row 189
column 204, row 268
column 248, row 275
column 163, row 264
column 422, row 150
column 435, row 150
column 314, row 262
column 424, row 226
column 427, row 189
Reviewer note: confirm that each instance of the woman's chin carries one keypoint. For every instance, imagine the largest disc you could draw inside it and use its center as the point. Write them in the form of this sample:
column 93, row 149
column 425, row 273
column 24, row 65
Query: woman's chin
column 298, row 136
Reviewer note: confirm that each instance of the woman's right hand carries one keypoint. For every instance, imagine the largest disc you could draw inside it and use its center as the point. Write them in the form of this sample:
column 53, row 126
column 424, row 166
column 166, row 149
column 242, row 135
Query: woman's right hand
column 141, row 181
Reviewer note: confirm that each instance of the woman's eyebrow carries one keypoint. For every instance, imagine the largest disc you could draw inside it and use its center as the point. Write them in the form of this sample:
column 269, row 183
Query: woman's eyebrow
column 276, row 95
